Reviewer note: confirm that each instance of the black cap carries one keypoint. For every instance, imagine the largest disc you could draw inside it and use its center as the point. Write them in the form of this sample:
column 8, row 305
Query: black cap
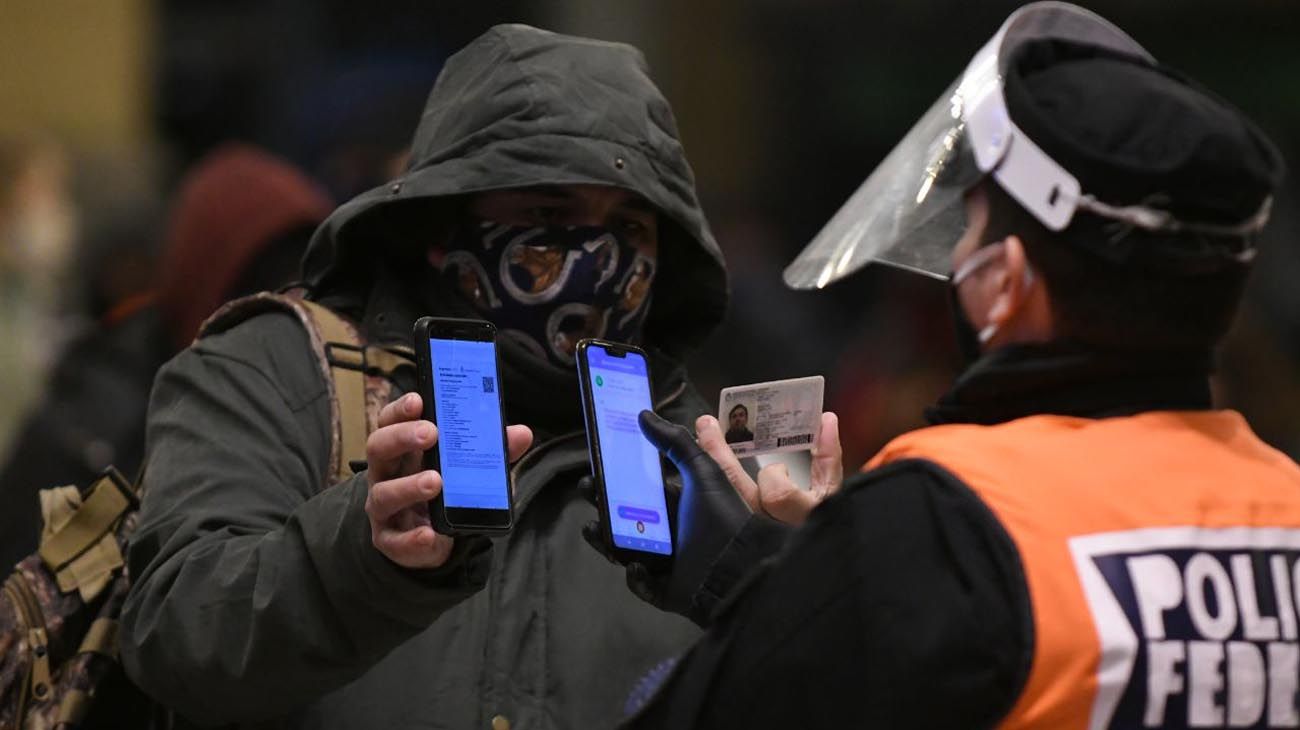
column 1137, row 133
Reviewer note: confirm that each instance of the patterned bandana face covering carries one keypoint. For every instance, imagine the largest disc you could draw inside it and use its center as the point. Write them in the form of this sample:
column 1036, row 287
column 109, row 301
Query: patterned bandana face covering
column 548, row 287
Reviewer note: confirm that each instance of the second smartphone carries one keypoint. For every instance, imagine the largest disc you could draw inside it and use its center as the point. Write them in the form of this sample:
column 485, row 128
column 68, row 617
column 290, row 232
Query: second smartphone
column 461, row 387
column 615, row 382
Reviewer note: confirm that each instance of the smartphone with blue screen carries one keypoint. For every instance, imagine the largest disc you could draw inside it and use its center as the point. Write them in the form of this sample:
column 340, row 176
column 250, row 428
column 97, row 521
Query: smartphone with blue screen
column 460, row 384
column 615, row 382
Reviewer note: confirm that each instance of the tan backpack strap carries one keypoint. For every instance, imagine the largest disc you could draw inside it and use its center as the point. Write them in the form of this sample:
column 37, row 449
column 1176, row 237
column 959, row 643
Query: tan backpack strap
column 101, row 638
column 74, row 708
column 322, row 326
column 386, row 361
column 355, row 373
column 107, row 501
column 346, row 358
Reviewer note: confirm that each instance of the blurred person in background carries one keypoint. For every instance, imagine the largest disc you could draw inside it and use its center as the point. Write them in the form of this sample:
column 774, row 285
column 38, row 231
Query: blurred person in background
column 240, row 223
column 38, row 230
column 1079, row 540
column 546, row 178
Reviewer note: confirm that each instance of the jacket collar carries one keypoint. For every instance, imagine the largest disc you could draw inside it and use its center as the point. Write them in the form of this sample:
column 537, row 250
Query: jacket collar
column 1073, row 380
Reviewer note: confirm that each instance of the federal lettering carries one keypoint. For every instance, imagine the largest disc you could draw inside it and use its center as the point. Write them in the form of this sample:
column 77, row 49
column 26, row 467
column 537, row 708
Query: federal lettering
column 1164, row 679
column 1246, row 679
column 1205, row 674
column 1283, row 683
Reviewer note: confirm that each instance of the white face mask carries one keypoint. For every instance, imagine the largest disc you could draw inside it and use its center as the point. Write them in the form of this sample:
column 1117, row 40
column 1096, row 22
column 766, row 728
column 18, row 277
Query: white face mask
column 976, row 261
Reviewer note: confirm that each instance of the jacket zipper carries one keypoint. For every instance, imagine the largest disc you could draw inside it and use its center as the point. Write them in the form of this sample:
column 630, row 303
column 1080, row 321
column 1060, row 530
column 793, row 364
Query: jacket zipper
column 514, row 476
column 25, row 598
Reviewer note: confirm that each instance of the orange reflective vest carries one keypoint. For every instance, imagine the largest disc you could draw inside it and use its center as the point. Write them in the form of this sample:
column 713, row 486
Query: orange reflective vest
column 1162, row 556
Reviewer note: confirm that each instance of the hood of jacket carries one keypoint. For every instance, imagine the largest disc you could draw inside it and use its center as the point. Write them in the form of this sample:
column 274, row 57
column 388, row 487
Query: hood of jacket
column 522, row 107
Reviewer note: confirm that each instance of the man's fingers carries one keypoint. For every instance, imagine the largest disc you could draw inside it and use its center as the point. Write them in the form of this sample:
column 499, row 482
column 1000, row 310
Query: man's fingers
column 828, row 457
column 386, row 447
column 781, row 498
column 389, row 497
column 712, row 440
column 417, row 548
column 518, row 439
column 407, row 408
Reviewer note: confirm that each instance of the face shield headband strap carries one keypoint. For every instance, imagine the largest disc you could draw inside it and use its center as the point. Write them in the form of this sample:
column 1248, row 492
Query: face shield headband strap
column 1025, row 171
column 1162, row 221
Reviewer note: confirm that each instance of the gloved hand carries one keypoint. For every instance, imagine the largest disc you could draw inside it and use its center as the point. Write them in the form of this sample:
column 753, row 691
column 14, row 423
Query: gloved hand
column 707, row 515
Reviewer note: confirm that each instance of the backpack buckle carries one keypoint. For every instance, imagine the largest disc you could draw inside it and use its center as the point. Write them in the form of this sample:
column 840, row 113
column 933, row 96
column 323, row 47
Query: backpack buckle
column 344, row 355
column 369, row 359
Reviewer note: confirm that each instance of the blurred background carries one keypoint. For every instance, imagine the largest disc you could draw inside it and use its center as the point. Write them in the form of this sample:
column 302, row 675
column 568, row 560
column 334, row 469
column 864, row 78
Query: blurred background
column 784, row 105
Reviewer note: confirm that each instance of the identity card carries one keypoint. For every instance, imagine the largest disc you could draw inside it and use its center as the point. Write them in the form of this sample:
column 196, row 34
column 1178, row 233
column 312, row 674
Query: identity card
column 768, row 418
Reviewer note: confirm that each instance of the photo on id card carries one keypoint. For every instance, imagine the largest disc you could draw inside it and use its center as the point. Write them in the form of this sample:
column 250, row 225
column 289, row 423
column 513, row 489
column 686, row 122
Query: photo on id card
column 773, row 417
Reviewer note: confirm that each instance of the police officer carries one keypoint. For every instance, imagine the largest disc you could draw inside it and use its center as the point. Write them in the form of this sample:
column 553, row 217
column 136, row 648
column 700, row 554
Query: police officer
column 1080, row 541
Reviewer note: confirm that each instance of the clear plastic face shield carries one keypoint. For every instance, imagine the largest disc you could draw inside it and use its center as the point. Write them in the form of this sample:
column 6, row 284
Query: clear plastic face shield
column 909, row 213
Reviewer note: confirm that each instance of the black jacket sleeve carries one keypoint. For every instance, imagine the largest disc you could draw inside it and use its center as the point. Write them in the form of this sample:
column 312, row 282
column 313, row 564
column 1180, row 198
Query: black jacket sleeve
column 254, row 590
column 902, row 603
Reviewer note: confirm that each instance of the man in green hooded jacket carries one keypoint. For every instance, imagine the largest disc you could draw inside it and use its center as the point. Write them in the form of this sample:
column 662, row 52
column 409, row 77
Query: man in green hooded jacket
column 548, row 193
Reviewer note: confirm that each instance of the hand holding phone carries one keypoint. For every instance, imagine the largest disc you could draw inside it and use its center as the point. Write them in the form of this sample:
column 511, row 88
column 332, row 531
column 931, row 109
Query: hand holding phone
column 709, row 514
column 400, row 488
column 461, row 389
column 615, row 383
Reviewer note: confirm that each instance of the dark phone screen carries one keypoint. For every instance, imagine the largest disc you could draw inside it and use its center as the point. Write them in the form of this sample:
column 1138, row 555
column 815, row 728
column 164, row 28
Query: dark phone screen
column 634, row 483
column 471, row 452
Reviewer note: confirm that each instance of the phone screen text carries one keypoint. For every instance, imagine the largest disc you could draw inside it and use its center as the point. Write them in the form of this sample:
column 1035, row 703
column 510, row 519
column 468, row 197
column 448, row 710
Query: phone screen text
column 634, row 486
column 471, row 452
